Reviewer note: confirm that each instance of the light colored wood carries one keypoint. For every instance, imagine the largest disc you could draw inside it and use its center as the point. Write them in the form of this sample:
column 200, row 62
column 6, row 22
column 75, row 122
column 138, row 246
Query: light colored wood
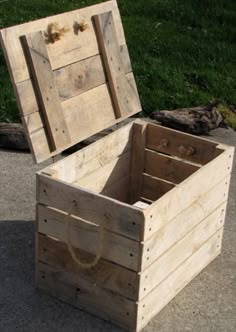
column 118, row 217
column 85, row 75
column 46, row 91
column 167, row 167
column 71, row 48
column 124, row 97
column 119, row 190
column 179, row 251
column 65, row 56
column 81, row 114
column 89, row 297
column 176, row 281
column 72, row 80
column 185, row 221
column 179, row 198
column 153, row 188
column 106, row 176
column 137, row 161
column 178, row 144
column 141, row 205
column 105, row 274
column 84, row 235
column 94, row 156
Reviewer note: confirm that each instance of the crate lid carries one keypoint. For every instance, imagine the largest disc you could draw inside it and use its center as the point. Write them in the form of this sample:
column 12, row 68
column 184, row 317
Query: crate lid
column 72, row 76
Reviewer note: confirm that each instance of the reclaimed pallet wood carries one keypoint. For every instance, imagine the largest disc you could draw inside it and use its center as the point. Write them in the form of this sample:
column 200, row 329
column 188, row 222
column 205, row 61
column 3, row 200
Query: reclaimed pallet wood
column 75, row 58
column 105, row 275
column 46, row 91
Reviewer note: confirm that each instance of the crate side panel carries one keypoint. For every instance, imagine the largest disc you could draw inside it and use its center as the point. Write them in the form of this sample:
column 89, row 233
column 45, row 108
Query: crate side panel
column 175, row 282
column 185, row 221
column 94, row 156
column 105, row 274
column 88, row 297
column 85, row 236
column 106, row 176
column 181, row 145
column 116, row 216
column 180, row 251
column 153, row 188
column 183, row 195
column 166, row 167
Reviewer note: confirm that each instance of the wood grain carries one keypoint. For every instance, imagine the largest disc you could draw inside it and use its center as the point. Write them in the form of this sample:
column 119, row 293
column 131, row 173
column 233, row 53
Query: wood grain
column 153, row 188
column 176, row 281
column 185, row 221
column 180, row 251
column 84, row 235
column 117, row 216
column 88, row 297
column 180, row 197
column 46, row 92
column 124, row 97
column 105, row 274
column 137, row 161
column 180, row 144
column 167, row 167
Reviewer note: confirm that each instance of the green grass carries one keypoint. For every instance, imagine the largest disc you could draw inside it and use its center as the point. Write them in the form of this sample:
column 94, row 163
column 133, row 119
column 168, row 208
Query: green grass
column 183, row 51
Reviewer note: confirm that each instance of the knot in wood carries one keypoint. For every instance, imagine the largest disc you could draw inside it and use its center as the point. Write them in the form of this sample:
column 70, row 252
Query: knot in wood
column 186, row 151
column 80, row 80
column 164, row 143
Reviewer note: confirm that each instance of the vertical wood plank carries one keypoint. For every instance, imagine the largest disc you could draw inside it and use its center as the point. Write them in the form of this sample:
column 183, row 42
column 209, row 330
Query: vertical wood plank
column 124, row 97
column 137, row 161
column 47, row 94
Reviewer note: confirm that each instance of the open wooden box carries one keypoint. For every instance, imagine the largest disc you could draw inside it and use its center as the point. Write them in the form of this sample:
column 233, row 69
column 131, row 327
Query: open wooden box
column 124, row 224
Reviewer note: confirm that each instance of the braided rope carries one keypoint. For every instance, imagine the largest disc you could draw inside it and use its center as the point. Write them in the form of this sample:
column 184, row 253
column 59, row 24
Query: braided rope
column 71, row 249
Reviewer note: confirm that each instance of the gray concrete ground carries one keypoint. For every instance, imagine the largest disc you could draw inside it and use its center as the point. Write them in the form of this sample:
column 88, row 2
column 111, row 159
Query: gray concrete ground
column 208, row 303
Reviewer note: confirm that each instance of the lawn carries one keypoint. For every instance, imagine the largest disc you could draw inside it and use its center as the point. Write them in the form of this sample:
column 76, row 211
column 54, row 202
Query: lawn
column 183, row 51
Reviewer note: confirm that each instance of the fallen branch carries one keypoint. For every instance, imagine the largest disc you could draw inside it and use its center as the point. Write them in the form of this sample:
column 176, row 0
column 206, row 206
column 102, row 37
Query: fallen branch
column 196, row 120
column 12, row 137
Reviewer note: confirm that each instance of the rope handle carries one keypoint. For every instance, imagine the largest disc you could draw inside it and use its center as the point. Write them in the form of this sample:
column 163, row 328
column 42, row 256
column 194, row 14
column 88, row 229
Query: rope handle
column 71, row 249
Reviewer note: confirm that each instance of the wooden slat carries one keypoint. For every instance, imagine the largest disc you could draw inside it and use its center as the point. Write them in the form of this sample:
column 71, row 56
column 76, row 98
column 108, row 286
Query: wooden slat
column 180, row 251
column 176, row 281
column 141, row 205
column 124, row 97
column 107, row 175
column 137, row 160
column 84, row 236
column 180, row 197
column 88, row 297
column 46, row 91
column 118, row 217
column 178, row 144
column 105, row 274
column 167, row 168
column 153, row 188
column 94, row 156
column 185, row 221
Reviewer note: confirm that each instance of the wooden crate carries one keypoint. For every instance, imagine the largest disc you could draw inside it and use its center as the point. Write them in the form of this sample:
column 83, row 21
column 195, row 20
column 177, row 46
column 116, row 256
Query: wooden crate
column 126, row 223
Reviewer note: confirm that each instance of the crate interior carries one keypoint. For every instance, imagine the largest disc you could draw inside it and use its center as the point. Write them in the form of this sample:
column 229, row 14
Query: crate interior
column 166, row 163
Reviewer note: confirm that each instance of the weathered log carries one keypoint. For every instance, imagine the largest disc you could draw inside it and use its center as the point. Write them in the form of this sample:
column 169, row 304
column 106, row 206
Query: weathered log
column 12, row 136
column 196, row 120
